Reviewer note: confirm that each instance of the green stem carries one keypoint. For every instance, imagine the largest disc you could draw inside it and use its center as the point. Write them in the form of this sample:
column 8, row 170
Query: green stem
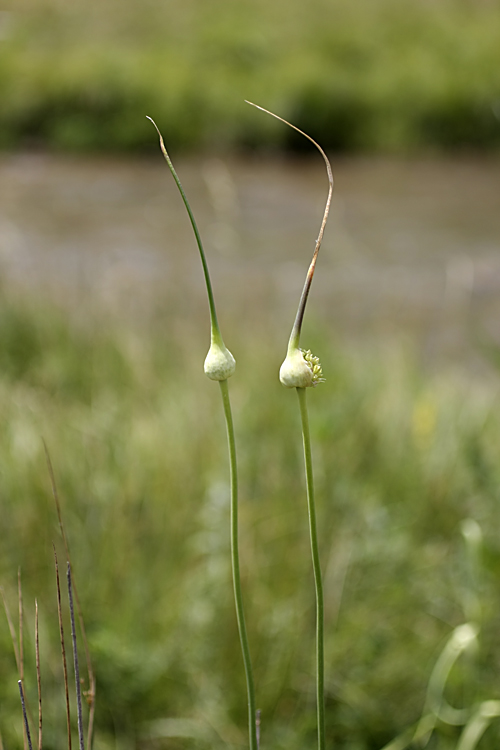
column 235, row 562
column 320, row 657
column 216, row 336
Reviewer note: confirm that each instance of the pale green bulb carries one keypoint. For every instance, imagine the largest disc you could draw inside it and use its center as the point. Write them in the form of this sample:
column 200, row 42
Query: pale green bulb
column 219, row 362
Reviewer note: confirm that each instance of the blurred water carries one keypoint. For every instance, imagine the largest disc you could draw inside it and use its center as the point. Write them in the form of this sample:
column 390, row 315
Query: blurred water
column 412, row 248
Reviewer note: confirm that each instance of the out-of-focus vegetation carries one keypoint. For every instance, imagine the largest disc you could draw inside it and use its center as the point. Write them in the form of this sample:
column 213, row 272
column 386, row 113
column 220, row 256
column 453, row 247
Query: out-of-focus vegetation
column 137, row 441
column 356, row 74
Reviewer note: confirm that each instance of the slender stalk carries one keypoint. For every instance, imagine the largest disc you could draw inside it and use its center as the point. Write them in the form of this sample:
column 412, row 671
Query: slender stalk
column 21, row 626
column 11, row 629
column 25, row 715
column 320, row 657
column 75, row 659
column 90, row 693
column 38, row 677
column 15, row 647
column 235, row 562
column 21, row 646
column 63, row 650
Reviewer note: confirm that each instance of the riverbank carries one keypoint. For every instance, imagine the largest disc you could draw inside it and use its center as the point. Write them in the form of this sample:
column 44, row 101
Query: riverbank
column 382, row 76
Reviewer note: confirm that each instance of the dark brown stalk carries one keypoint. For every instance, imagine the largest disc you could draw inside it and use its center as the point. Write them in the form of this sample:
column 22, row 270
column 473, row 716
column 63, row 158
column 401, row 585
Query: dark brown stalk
column 38, row 677
column 21, row 642
column 75, row 660
column 90, row 693
column 63, row 649
column 25, row 715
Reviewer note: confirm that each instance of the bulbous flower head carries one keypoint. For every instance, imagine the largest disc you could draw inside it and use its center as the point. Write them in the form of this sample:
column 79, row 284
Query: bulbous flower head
column 219, row 362
column 301, row 369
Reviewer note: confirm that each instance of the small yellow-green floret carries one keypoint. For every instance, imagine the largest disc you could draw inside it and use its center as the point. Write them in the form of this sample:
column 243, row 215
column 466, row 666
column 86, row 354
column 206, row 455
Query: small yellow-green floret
column 315, row 365
column 301, row 369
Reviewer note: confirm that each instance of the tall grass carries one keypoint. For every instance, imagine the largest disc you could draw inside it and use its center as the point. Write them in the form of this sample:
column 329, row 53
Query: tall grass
column 401, row 458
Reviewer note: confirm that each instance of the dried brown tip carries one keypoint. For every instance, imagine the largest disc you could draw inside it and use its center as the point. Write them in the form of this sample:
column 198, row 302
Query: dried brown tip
column 294, row 337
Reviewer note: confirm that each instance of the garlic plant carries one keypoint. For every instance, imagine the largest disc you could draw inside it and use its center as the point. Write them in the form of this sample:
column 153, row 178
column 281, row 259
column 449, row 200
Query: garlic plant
column 301, row 370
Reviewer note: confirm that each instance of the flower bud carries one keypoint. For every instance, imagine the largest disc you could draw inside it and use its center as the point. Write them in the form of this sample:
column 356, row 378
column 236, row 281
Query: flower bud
column 219, row 362
column 301, row 370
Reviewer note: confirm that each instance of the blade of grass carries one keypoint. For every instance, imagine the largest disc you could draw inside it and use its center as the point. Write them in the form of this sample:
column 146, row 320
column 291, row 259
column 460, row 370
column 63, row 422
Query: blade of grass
column 75, row 660
column 25, row 715
column 15, row 644
column 413, row 735
column 21, row 640
column 90, row 693
column 21, row 625
column 38, row 677
column 12, row 630
column 479, row 722
column 63, row 649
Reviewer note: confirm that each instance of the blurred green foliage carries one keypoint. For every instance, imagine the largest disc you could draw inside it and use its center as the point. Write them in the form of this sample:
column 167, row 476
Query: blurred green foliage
column 386, row 75
column 138, row 445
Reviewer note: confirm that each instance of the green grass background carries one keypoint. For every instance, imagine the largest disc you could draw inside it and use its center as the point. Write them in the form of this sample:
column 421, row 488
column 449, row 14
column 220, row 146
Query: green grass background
column 136, row 436
column 390, row 75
